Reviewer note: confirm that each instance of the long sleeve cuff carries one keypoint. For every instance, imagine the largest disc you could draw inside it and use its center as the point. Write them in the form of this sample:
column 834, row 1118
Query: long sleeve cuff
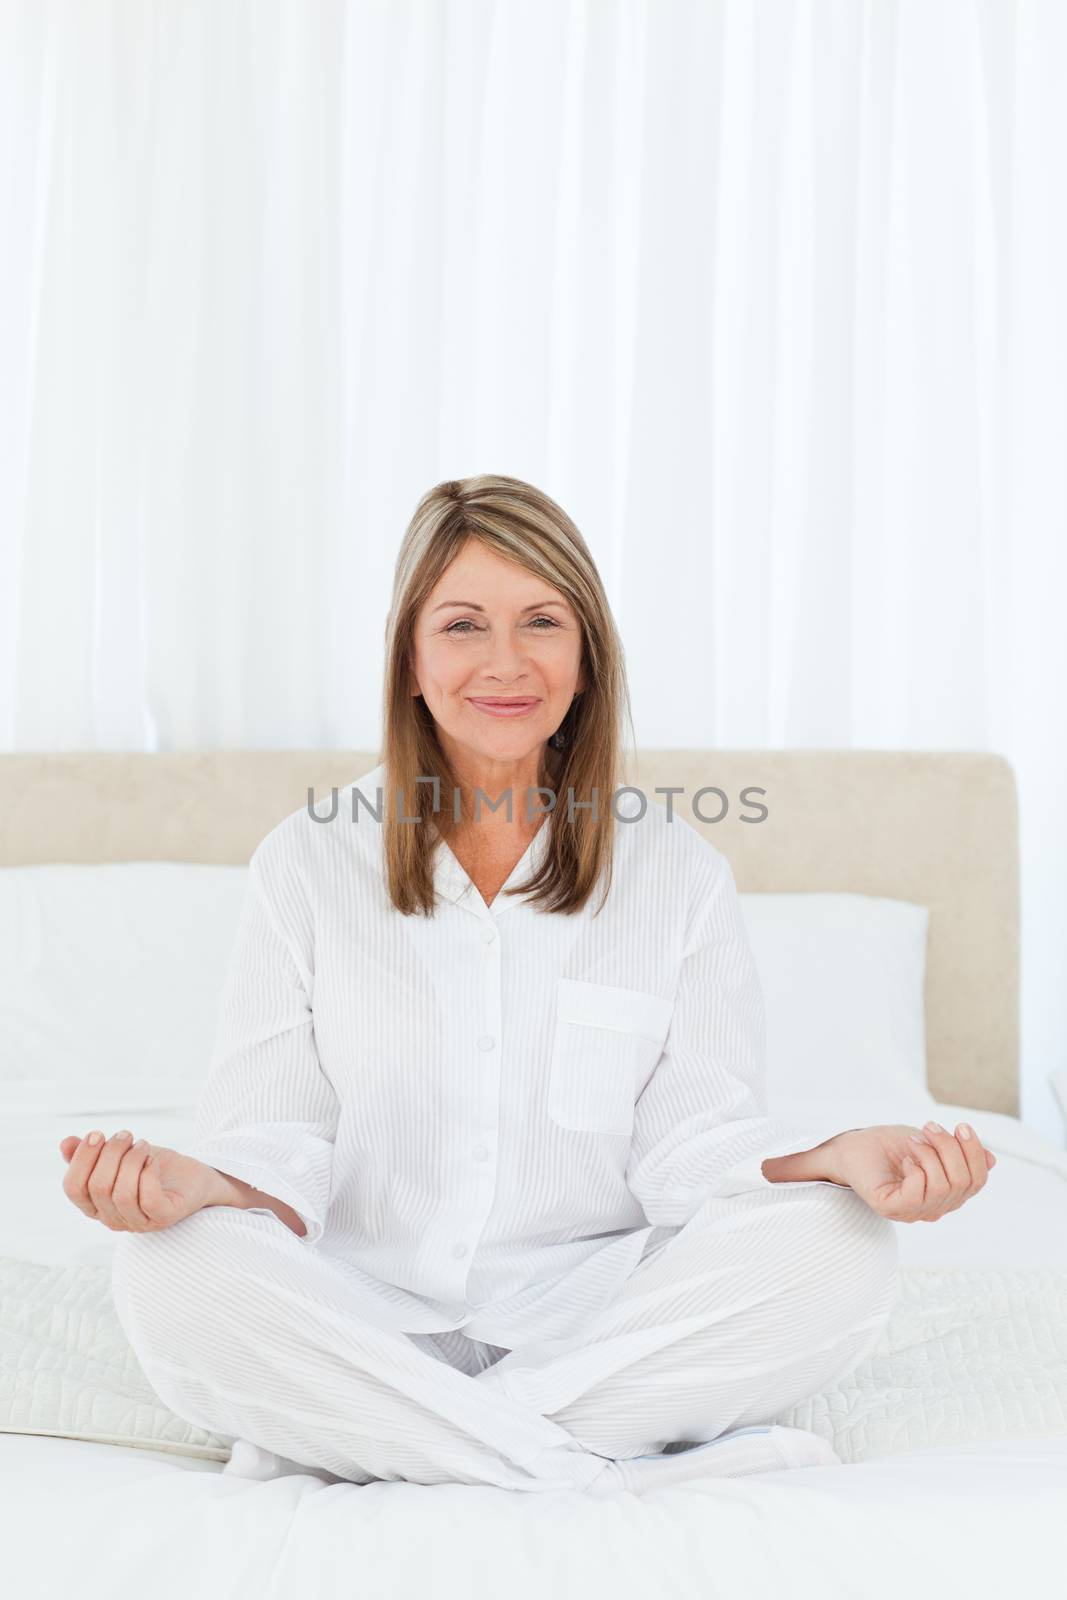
column 748, row 1174
column 242, row 1159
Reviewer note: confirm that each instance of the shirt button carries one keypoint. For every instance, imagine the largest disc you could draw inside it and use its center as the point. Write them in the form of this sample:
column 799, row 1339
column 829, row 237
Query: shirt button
column 486, row 1041
column 459, row 1250
column 479, row 1152
column 489, row 935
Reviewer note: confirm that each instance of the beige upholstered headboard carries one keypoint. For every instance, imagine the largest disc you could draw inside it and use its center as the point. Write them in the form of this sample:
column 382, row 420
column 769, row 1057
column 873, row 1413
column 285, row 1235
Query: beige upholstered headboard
column 937, row 829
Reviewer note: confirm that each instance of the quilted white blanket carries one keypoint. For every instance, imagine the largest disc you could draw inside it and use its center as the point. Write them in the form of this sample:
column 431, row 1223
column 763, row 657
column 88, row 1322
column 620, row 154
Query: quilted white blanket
column 67, row 1368
column 968, row 1356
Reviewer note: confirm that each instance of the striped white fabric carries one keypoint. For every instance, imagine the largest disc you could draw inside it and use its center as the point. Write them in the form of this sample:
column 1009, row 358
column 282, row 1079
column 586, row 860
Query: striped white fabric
column 761, row 1300
column 492, row 1114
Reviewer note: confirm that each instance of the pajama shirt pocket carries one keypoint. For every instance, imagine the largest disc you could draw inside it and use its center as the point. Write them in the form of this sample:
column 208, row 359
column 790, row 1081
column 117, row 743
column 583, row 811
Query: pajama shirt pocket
column 607, row 1041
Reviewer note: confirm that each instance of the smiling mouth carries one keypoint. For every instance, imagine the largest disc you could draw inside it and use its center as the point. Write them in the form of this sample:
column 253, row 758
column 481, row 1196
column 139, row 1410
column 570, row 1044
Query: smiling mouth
column 503, row 707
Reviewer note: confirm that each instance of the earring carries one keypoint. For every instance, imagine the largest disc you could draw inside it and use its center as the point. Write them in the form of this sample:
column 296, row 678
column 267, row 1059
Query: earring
column 559, row 738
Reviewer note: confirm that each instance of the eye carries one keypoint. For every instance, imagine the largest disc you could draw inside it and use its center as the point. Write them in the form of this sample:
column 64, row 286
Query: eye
column 463, row 625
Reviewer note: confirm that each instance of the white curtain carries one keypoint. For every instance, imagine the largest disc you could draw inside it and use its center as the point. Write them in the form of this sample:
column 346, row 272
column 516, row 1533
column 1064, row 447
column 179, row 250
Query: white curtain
column 771, row 296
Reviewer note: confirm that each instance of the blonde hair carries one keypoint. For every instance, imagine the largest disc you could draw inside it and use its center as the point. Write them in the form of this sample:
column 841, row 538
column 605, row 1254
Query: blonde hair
column 521, row 524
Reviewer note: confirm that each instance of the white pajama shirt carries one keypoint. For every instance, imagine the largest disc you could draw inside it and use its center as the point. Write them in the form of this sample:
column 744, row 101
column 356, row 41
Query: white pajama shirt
column 491, row 1115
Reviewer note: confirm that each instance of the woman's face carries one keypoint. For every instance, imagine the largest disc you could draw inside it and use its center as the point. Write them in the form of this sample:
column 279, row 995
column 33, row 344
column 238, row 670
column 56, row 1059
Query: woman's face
column 490, row 630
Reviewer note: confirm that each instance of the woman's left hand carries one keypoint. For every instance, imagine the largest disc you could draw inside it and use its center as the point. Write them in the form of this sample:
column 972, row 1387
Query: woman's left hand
column 908, row 1181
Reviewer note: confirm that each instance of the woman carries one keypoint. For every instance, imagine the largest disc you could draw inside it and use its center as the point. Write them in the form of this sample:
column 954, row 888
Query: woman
column 483, row 1190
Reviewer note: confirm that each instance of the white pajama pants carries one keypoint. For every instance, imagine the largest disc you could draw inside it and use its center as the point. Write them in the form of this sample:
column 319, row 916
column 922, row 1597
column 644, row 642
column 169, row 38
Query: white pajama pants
column 759, row 1301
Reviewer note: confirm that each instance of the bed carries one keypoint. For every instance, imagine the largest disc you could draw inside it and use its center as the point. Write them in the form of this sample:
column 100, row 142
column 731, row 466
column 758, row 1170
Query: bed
column 953, row 1434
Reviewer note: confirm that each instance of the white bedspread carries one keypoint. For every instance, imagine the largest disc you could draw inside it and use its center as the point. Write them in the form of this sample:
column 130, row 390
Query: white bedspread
column 99, row 1521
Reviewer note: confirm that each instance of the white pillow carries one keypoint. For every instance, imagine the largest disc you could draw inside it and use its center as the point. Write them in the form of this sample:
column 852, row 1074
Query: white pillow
column 842, row 978
column 111, row 980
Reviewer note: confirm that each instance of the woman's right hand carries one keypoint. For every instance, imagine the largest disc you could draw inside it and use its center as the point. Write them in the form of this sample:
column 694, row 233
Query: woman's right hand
column 135, row 1187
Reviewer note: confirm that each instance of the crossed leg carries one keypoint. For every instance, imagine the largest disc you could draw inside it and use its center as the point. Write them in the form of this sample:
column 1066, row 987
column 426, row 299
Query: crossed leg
column 241, row 1329
column 758, row 1301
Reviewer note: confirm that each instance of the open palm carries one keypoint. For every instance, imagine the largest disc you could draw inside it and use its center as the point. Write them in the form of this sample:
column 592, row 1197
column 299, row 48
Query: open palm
column 130, row 1189
column 908, row 1181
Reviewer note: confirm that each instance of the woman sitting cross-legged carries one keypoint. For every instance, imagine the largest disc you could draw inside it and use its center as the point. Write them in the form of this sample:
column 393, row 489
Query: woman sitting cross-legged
column 483, row 1189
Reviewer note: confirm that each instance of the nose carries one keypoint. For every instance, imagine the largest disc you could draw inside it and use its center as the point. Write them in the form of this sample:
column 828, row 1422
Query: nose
column 504, row 660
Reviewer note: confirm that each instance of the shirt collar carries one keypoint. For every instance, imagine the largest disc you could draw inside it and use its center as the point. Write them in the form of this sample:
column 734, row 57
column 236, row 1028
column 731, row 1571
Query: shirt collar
column 451, row 882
